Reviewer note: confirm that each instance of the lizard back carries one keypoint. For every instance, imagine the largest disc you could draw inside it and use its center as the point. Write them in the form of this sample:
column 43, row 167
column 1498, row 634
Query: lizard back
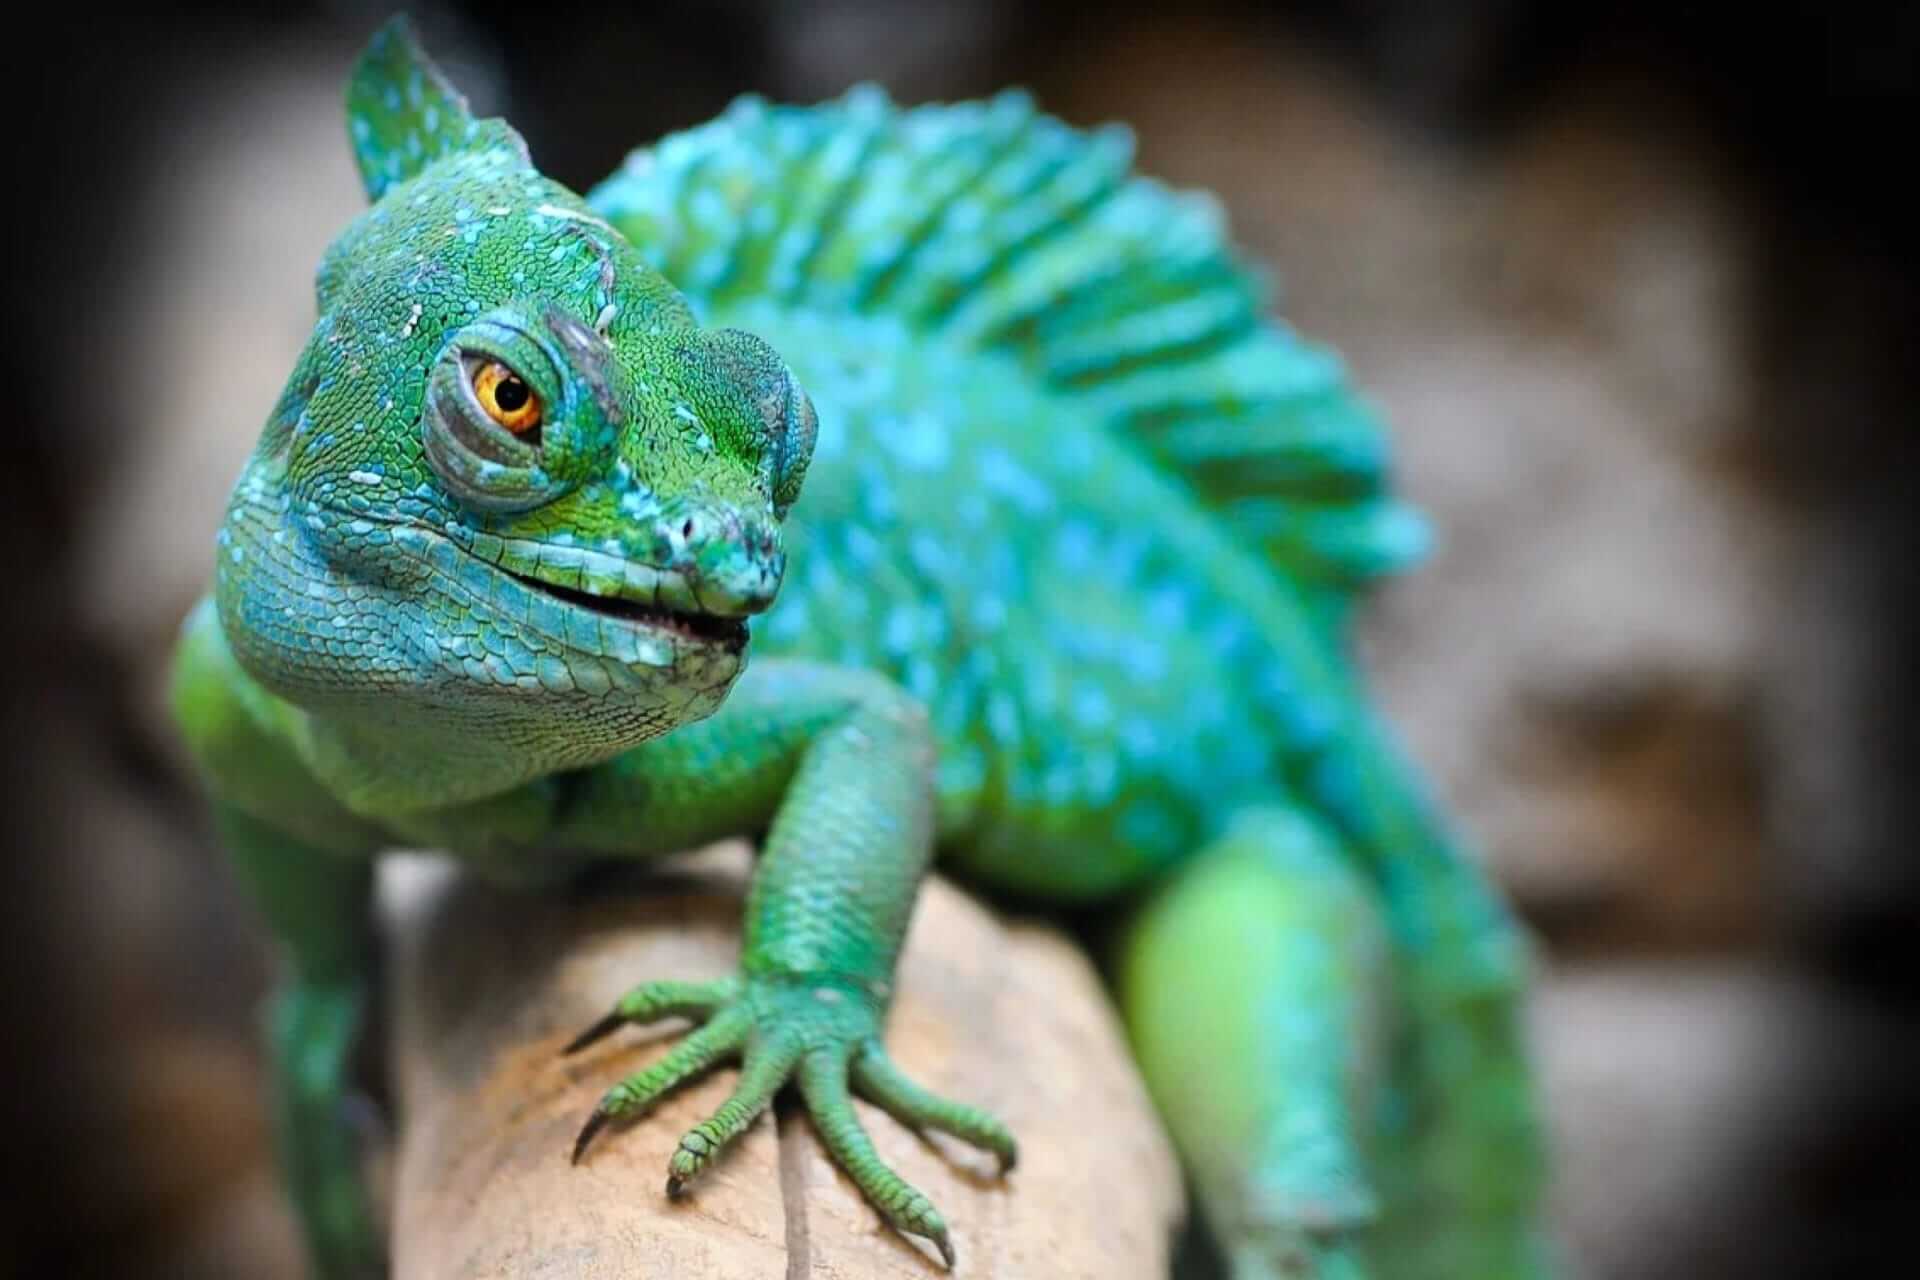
column 1071, row 487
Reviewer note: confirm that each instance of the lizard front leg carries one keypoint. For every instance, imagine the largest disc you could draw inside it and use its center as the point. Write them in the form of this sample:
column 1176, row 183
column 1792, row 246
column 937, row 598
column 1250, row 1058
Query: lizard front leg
column 841, row 763
column 317, row 903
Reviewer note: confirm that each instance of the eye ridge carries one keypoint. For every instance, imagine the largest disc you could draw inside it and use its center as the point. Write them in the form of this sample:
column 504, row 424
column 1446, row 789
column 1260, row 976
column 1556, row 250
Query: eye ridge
column 506, row 397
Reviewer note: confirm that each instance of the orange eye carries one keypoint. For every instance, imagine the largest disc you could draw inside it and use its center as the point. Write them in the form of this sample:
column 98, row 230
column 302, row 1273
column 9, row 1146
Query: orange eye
column 506, row 397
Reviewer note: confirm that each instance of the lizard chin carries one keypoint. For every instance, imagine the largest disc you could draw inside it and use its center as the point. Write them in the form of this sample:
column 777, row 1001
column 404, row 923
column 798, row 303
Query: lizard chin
column 728, row 634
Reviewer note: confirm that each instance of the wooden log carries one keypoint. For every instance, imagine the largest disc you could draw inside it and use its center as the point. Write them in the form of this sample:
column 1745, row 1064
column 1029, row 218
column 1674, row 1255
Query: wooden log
column 486, row 986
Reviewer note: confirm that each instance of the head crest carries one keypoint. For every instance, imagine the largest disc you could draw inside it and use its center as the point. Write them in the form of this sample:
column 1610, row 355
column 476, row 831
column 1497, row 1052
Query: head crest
column 403, row 114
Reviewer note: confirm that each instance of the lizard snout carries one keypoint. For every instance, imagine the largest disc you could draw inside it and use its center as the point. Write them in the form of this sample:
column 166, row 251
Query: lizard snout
column 732, row 562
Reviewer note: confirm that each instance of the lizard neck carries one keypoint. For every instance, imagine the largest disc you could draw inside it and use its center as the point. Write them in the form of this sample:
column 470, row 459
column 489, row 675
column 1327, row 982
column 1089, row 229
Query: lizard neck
column 392, row 768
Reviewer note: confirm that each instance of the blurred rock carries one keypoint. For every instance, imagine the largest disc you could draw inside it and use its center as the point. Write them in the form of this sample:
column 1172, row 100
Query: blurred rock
column 820, row 47
column 1671, row 1096
column 246, row 1235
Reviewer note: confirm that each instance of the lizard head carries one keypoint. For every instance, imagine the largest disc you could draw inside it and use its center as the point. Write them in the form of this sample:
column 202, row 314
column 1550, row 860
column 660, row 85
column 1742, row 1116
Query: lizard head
column 509, row 470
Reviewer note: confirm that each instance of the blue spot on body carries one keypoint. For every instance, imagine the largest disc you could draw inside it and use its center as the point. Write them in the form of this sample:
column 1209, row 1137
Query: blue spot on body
column 1091, row 706
column 1167, row 608
column 1074, row 544
column 902, row 629
column 1002, row 476
column 919, row 441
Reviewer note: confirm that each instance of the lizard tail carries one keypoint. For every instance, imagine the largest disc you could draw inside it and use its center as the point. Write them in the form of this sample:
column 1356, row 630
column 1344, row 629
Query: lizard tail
column 1468, row 1166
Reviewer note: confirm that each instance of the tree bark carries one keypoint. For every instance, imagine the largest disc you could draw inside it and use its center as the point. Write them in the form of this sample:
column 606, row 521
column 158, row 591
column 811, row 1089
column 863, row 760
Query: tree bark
column 486, row 986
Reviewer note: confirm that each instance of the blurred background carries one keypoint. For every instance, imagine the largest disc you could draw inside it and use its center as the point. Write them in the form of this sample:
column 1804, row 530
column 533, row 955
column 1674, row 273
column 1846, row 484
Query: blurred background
column 1633, row 285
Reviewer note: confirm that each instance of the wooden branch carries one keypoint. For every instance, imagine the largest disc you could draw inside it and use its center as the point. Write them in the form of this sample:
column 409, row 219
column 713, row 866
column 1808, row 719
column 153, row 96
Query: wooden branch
column 487, row 986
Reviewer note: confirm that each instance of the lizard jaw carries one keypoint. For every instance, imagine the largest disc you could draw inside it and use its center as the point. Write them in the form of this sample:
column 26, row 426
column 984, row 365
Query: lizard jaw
column 721, row 632
column 619, row 629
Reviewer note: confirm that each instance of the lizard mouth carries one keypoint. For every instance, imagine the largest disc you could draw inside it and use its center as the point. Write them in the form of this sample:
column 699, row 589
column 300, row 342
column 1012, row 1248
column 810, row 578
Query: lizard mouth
column 705, row 628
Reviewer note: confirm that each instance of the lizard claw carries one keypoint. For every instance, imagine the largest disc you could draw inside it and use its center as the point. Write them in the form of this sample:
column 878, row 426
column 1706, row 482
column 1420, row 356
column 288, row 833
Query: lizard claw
column 595, row 1122
column 598, row 1031
column 652, row 1001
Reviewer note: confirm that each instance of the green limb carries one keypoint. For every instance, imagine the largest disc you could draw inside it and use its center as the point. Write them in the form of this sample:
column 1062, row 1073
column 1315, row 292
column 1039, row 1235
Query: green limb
column 823, row 1082
column 766, row 1069
column 1254, row 986
column 652, row 1001
column 837, row 766
column 317, row 905
column 312, row 1029
column 711, row 1044
column 880, row 1081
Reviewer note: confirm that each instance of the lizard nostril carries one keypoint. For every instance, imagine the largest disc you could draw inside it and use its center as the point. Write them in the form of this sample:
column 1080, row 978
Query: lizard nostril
column 686, row 530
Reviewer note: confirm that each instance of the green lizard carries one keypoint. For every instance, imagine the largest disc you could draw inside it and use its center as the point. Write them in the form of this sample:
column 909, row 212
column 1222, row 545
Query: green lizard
column 1068, row 599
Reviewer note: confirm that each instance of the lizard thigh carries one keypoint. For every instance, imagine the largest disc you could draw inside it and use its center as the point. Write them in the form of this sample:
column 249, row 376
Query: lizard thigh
column 1255, row 984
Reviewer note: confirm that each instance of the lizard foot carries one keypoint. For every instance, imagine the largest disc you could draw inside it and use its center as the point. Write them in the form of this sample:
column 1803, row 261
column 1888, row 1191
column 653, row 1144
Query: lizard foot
column 818, row 1032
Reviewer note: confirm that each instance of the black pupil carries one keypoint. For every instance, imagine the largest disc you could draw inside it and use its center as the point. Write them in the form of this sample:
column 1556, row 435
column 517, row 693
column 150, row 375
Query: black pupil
column 511, row 394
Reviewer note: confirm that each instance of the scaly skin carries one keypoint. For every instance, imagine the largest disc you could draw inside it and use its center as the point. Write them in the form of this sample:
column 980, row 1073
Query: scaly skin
column 1069, row 493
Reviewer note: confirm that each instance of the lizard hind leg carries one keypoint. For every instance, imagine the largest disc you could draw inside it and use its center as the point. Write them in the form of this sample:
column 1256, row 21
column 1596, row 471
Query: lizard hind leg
column 1255, row 988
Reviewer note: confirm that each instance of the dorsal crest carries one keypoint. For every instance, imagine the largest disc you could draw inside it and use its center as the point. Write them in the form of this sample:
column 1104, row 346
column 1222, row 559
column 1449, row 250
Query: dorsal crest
column 994, row 228
column 403, row 113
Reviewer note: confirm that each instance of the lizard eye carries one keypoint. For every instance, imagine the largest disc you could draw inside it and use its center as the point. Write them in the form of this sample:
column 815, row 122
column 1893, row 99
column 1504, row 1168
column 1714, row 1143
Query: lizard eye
column 516, row 411
column 507, row 399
